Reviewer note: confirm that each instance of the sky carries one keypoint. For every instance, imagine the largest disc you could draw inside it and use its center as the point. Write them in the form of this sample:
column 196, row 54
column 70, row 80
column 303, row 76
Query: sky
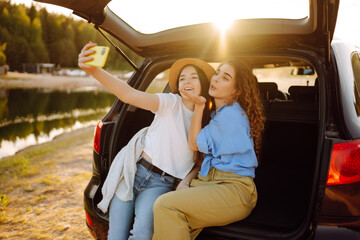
column 347, row 27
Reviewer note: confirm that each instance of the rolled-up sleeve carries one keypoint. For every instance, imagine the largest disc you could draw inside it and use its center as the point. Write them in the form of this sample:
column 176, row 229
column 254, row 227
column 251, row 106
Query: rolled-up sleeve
column 203, row 139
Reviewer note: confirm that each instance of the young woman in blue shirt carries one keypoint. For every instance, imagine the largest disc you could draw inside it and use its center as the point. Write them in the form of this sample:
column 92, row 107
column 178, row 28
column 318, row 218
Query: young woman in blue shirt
column 224, row 191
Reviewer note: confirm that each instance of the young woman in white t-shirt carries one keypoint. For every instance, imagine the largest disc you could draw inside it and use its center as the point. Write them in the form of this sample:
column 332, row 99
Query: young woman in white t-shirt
column 166, row 157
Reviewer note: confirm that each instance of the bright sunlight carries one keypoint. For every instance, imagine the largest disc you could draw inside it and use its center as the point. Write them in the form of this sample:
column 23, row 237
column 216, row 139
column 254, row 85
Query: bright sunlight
column 223, row 24
column 165, row 15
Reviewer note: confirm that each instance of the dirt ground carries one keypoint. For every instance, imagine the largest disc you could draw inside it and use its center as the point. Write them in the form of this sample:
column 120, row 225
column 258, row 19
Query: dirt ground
column 42, row 187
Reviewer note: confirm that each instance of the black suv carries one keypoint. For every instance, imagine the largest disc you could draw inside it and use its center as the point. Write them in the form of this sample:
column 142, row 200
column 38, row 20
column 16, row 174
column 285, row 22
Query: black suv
column 309, row 171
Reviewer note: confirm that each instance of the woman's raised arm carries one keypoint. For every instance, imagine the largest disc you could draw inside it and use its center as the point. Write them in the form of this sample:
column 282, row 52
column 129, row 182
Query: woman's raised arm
column 196, row 120
column 118, row 87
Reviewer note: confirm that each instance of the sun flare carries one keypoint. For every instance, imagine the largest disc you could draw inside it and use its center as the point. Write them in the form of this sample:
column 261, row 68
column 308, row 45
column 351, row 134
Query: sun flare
column 223, row 25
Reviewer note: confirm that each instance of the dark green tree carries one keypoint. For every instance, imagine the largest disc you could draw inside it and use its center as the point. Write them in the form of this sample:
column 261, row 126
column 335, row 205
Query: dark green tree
column 34, row 35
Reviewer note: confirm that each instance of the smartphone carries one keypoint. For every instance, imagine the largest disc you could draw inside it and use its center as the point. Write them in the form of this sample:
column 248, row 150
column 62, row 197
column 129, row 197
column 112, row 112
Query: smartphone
column 99, row 56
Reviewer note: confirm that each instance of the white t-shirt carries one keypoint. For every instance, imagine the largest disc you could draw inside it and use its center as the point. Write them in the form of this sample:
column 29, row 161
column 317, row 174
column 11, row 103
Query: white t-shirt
column 166, row 141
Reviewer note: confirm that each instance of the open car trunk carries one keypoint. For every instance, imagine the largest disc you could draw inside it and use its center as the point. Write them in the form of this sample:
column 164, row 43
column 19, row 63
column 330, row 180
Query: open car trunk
column 287, row 167
column 284, row 183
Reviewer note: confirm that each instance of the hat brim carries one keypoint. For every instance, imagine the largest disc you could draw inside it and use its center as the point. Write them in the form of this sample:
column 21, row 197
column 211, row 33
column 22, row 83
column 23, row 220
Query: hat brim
column 180, row 64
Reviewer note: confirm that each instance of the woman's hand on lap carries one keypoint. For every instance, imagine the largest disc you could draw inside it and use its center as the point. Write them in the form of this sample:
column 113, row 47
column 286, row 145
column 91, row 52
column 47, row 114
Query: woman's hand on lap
column 184, row 184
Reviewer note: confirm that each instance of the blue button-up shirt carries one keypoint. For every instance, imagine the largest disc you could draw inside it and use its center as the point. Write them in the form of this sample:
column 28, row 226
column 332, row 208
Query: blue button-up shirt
column 227, row 144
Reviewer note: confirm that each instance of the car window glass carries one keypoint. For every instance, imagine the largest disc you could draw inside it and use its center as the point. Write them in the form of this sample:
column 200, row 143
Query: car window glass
column 165, row 14
column 355, row 61
column 285, row 77
column 159, row 83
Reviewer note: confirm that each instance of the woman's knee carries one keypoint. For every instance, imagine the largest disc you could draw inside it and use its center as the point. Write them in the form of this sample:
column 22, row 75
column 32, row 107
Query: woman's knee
column 163, row 202
column 159, row 203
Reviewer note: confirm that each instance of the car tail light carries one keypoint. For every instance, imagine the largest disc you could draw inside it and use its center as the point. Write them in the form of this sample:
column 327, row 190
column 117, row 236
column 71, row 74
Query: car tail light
column 88, row 220
column 344, row 163
column 97, row 136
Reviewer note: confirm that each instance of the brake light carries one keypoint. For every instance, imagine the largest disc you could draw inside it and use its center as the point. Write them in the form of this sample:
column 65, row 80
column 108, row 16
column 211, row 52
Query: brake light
column 344, row 163
column 97, row 136
column 88, row 220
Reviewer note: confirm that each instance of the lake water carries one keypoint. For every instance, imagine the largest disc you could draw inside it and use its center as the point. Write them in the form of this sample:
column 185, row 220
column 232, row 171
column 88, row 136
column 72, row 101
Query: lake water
column 34, row 116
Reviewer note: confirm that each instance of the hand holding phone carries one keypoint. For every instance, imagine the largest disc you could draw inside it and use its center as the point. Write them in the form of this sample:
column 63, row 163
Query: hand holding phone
column 99, row 57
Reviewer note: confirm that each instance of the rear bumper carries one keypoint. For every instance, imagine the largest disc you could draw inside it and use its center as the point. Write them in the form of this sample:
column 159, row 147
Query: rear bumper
column 335, row 233
column 99, row 221
column 341, row 206
column 340, row 221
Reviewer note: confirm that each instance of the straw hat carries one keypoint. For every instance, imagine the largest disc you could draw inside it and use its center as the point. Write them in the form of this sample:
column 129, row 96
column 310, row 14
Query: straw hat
column 180, row 64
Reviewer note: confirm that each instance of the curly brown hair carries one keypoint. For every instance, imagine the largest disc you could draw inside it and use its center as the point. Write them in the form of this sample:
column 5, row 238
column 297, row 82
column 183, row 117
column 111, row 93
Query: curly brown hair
column 248, row 96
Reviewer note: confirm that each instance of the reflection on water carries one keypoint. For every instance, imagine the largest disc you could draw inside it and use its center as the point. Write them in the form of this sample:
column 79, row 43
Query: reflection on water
column 35, row 116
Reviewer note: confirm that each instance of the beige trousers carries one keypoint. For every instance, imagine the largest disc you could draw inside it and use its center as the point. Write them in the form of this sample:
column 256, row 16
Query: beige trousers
column 218, row 199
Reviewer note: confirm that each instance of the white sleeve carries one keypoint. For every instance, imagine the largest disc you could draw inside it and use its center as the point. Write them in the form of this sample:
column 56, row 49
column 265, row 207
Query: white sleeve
column 167, row 102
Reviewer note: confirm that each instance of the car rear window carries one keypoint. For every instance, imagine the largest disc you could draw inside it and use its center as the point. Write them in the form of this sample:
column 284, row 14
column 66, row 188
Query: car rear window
column 285, row 77
column 158, row 15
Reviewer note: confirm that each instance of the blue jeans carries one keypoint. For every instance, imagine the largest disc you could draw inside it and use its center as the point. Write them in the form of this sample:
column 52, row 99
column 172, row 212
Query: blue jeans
column 134, row 219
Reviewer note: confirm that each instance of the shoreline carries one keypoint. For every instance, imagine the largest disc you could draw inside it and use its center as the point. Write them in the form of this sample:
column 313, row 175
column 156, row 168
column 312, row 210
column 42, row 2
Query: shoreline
column 65, row 134
column 60, row 137
column 48, row 81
